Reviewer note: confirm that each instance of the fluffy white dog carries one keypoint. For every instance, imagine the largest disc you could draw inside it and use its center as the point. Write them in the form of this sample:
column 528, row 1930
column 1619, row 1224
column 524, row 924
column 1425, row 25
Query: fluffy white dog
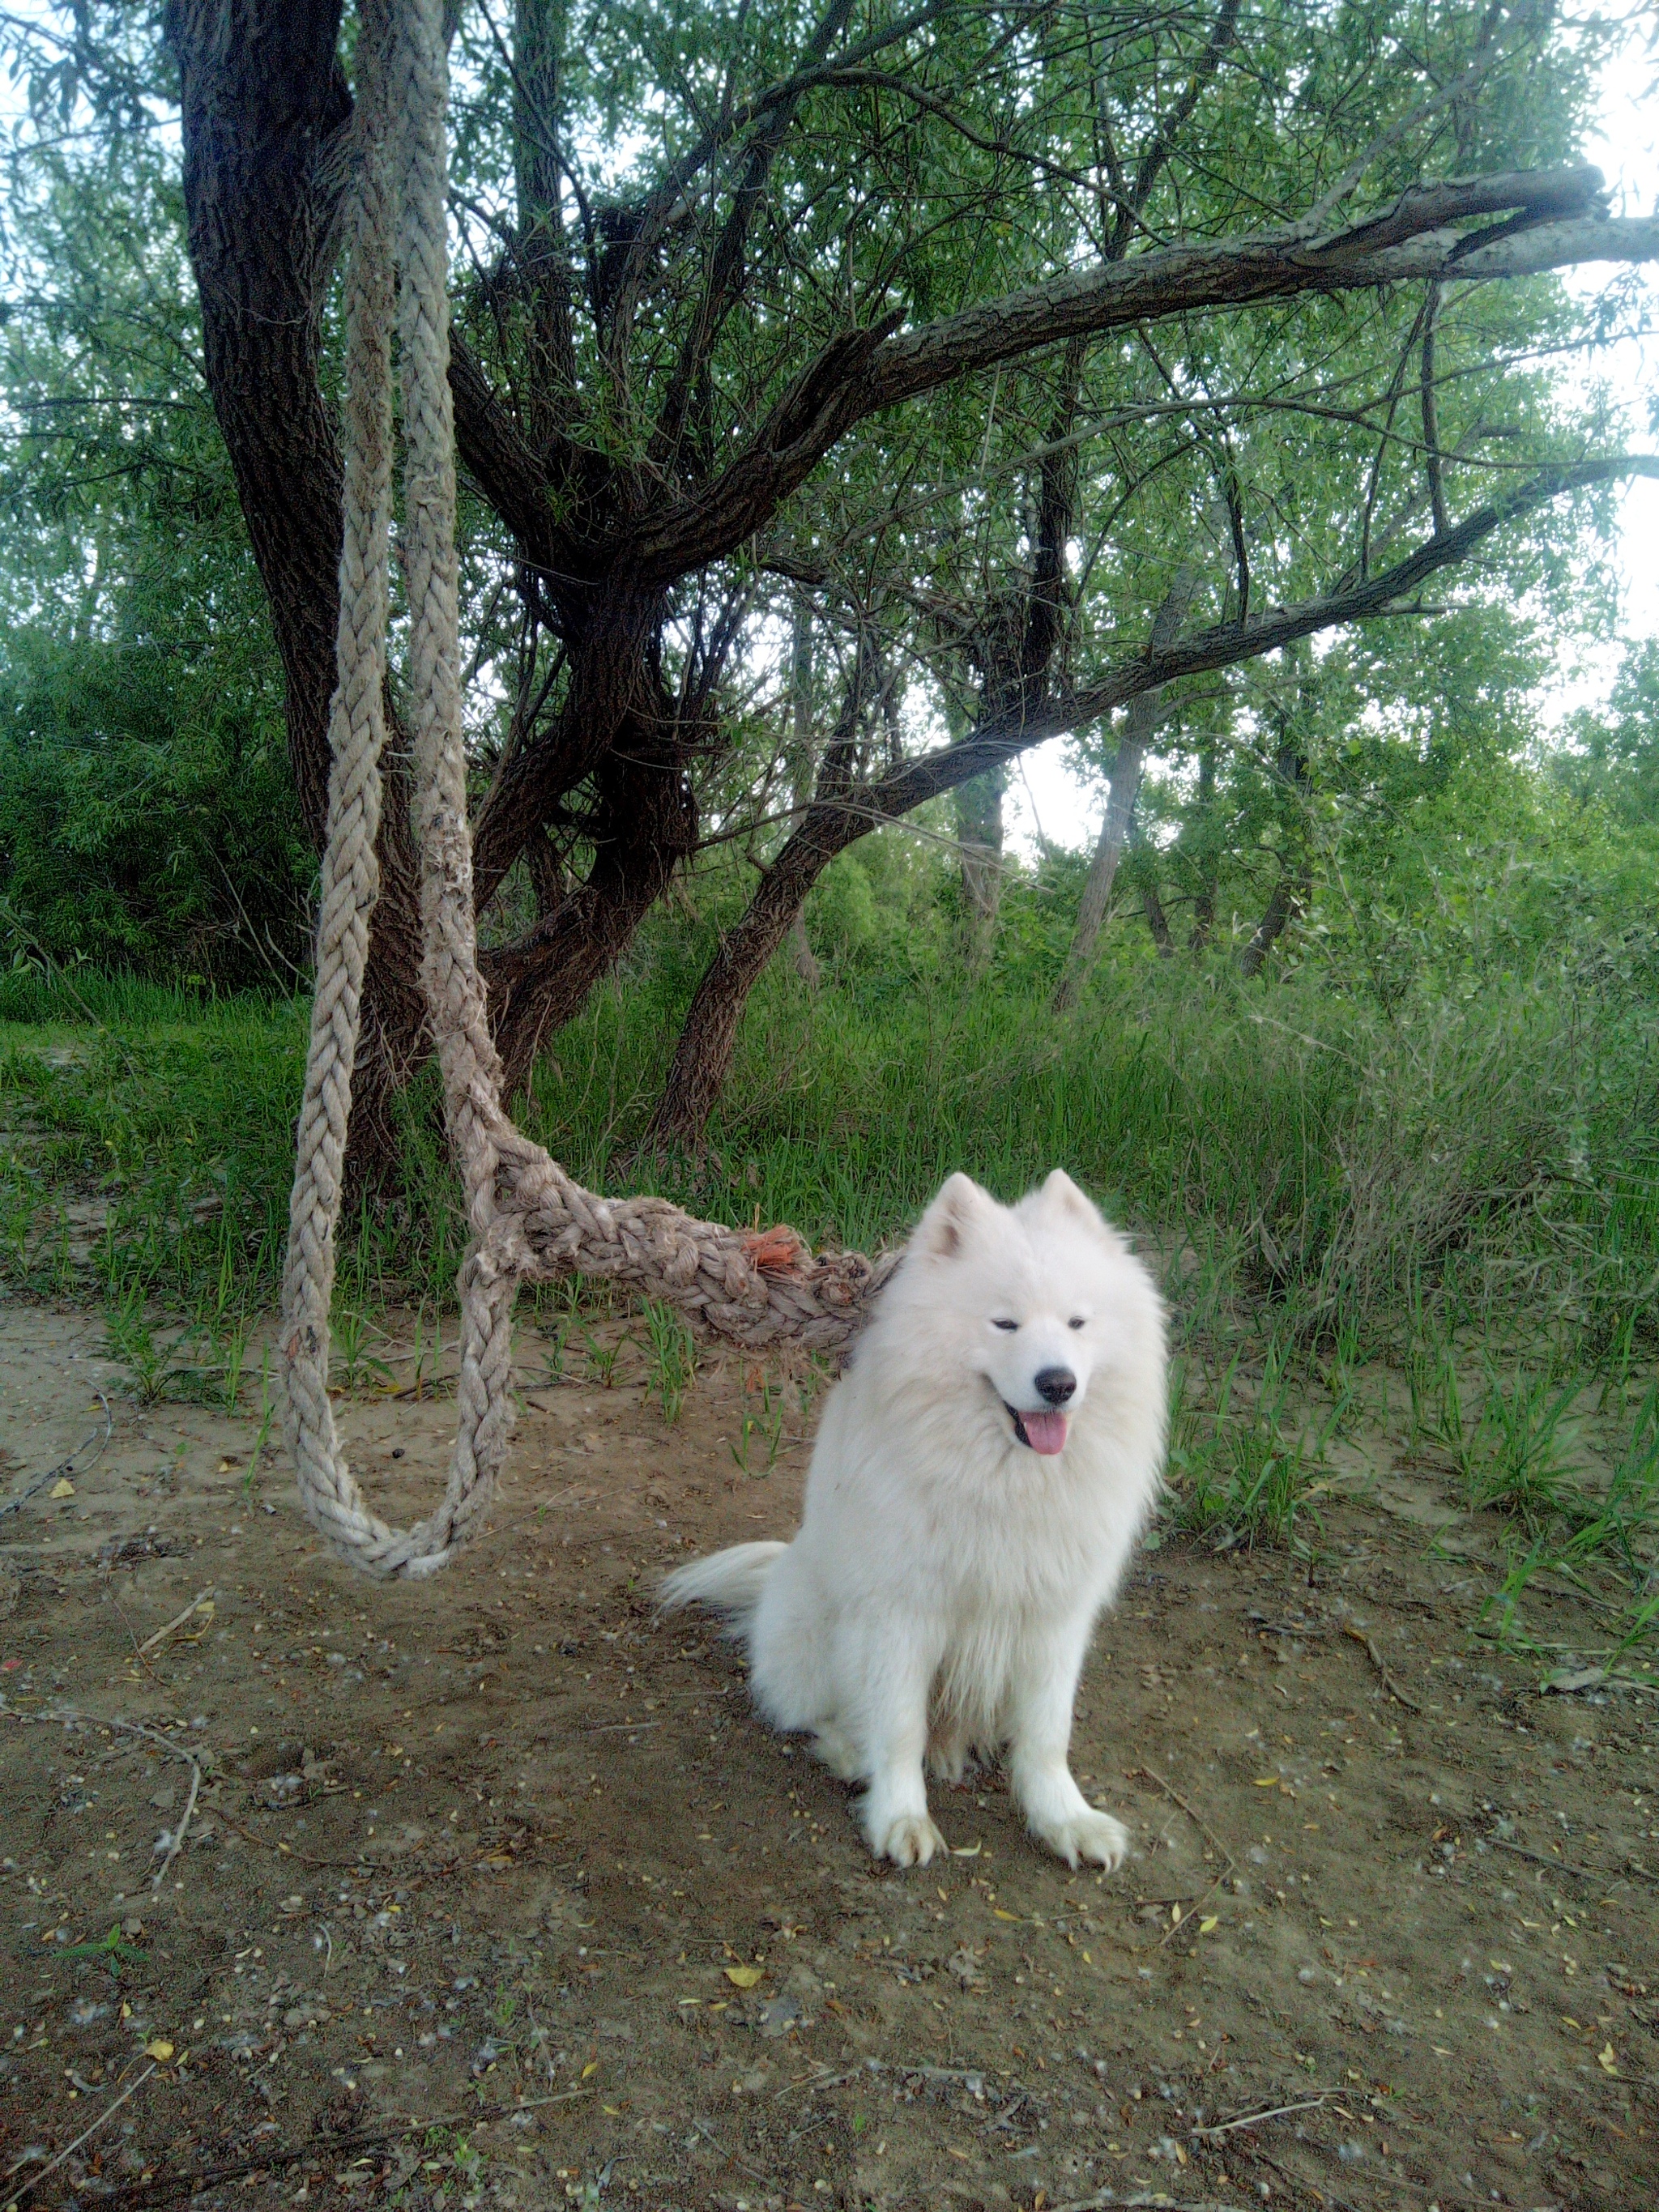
column 980, row 1477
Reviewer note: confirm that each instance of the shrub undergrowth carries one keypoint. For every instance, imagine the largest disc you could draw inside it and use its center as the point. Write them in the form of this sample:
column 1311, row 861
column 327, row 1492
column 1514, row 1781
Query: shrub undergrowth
column 1471, row 1188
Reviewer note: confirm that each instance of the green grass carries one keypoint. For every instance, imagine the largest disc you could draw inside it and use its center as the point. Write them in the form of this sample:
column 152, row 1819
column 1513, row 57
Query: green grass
column 1245, row 1468
column 1298, row 1163
column 1468, row 1191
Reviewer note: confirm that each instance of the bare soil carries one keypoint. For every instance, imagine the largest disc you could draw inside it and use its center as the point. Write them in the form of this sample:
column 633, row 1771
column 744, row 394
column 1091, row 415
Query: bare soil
column 498, row 1855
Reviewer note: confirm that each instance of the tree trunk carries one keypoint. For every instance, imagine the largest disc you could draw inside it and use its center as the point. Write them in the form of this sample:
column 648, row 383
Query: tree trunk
column 710, row 1034
column 980, row 835
column 646, row 823
column 1287, row 899
column 702, row 1058
column 266, row 116
column 1208, row 859
column 803, row 767
column 1153, row 906
column 1120, row 798
column 1141, row 721
column 806, row 961
column 266, row 122
column 1290, row 893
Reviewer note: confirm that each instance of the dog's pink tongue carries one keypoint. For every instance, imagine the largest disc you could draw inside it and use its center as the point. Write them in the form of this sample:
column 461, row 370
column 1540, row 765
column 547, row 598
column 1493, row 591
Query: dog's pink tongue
column 1047, row 1431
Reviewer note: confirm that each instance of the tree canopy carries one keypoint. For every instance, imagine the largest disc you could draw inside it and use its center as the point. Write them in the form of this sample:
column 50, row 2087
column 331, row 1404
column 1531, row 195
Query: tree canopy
column 842, row 395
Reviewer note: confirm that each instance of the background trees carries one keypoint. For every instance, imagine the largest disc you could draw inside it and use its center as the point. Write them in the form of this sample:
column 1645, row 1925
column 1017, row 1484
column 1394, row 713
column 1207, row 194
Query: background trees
column 842, row 395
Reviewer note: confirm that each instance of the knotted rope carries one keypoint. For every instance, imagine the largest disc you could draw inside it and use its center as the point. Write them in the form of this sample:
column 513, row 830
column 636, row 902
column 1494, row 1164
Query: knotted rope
column 527, row 1219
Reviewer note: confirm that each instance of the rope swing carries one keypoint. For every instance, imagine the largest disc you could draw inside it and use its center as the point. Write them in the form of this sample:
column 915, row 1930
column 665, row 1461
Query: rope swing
column 527, row 1220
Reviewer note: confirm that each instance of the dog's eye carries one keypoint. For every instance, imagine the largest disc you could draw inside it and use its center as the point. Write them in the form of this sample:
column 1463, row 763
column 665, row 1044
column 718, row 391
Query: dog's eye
column 1076, row 1321
column 1005, row 1324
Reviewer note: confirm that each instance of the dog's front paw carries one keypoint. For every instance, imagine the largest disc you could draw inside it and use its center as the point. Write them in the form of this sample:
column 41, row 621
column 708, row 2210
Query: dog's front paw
column 1091, row 1835
column 911, row 1839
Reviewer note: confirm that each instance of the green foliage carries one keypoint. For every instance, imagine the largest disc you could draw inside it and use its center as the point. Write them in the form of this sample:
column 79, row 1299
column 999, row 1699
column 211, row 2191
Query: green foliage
column 112, row 1950
column 147, row 815
column 672, row 1356
column 148, row 819
column 1613, row 758
column 1244, row 1468
column 1359, row 1178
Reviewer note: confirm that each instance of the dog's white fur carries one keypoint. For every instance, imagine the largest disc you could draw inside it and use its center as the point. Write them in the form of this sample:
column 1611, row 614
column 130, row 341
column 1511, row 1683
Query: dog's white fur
column 940, row 1595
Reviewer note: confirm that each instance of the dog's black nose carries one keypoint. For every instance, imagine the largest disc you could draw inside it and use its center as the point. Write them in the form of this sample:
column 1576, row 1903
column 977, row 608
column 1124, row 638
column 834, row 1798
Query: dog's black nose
column 1057, row 1384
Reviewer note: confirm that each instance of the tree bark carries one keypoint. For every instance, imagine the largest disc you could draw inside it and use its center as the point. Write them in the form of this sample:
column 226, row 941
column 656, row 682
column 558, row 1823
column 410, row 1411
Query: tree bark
column 646, row 825
column 806, row 961
column 708, row 1036
column 1287, row 901
column 979, row 841
column 1140, row 722
column 266, row 121
column 1153, row 905
column 1204, row 899
column 1123, row 790
column 1289, row 897
column 802, row 767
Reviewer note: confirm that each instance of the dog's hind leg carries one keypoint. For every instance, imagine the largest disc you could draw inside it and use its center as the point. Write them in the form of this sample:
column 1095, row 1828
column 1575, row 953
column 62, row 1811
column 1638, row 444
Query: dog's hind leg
column 1041, row 1697
column 838, row 1752
column 950, row 1746
column 790, row 1672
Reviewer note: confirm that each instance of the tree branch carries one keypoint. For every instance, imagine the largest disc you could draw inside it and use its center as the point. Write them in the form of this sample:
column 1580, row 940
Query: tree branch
column 1431, row 414
column 721, row 291
column 1223, row 646
column 1157, row 155
column 507, row 471
column 862, row 372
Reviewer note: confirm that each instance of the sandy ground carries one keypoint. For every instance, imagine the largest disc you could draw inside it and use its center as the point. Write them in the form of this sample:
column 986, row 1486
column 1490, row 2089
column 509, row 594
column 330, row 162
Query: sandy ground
column 499, row 1856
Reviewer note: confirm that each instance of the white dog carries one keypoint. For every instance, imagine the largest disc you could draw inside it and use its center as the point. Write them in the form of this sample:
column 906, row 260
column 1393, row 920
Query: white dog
column 980, row 1477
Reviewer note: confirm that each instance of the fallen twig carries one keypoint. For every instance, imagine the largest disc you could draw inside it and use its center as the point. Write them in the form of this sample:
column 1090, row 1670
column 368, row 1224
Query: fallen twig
column 175, row 1841
column 1273, row 2113
column 1197, row 1820
column 1209, row 1836
column 132, row 1638
column 1566, row 1866
column 114, row 2106
column 66, row 1467
column 61, row 1715
column 1401, row 1697
column 201, row 1598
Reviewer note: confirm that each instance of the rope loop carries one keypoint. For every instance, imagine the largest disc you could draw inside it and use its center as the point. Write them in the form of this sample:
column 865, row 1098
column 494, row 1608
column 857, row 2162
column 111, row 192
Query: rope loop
column 527, row 1219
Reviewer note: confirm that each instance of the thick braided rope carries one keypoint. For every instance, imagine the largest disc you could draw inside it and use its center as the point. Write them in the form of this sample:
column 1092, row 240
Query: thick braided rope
column 351, row 875
column 528, row 1219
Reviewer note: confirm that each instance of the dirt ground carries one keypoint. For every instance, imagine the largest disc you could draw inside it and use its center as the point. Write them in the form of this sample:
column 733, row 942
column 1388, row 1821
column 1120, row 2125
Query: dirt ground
column 500, row 1856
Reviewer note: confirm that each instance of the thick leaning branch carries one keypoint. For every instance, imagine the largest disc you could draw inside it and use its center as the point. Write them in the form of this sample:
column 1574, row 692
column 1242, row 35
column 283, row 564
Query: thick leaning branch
column 1224, row 645
column 837, row 820
column 862, row 374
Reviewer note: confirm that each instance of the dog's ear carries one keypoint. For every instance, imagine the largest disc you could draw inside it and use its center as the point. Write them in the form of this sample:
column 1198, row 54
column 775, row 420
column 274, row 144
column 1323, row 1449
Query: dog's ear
column 945, row 1226
column 1062, row 1198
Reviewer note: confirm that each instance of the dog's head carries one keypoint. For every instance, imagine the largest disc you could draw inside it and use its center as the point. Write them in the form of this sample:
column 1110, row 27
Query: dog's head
column 1040, row 1299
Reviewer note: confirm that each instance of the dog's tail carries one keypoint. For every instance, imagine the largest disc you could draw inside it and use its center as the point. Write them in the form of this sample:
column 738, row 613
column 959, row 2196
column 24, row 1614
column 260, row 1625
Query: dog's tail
column 730, row 1581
